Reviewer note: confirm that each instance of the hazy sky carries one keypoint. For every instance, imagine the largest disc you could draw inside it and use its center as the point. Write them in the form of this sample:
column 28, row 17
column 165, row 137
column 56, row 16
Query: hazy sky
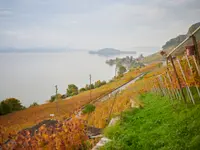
column 93, row 24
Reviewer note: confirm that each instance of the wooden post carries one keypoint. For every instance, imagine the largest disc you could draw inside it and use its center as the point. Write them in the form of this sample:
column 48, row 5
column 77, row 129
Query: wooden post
column 162, row 84
column 151, row 84
column 90, row 88
column 197, row 51
column 155, row 82
column 187, row 87
column 188, row 61
column 153, row 87
column 160, row 87
column 156, row 89
column 196, row 65
column 170, row 83
column 179, row 82
column 56, row 97
column 177, row 91
column 196, row 58
column 168, row 89
column 176, row 95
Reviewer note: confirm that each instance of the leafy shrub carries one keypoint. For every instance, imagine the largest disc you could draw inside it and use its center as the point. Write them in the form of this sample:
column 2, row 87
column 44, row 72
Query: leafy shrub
column 88, row 108
column 98, row 84
column 34, row 104
column 91, row 86
column 53, row 97
column 82, row 90
column 121, row 70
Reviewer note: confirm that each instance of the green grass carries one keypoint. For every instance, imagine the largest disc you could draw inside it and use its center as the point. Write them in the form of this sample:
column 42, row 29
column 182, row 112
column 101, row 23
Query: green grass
column 159, row 125
column 194, row 93
column 188, row 98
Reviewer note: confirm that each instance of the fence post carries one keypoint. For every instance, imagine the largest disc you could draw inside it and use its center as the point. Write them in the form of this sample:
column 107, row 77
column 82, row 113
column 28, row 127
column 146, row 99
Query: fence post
column 151, row 87
column 179, row 82
column 196, row 58
column 163, row 85
column 197, row 51
column 176, row 93
column 156, row 90
column 156, row 86
column 187, row 87
column 169, row 91
column 188, row 61
column 159, row 86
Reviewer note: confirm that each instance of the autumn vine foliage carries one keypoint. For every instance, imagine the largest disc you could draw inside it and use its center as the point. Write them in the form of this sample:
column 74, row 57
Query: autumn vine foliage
column 180, row 79
column 64, row 135
column 69, row 134
column 28, row 117
column 122, row 101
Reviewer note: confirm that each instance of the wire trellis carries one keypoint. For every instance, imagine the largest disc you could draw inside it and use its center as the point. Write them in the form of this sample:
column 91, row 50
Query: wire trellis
column 181, row 78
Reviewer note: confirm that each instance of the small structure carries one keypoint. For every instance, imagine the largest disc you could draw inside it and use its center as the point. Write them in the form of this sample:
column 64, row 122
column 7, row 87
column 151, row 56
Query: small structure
column 51, row 115
column 190, row 50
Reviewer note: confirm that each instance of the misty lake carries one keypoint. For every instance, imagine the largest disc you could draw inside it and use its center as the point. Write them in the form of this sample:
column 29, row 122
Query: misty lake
column 31, row 77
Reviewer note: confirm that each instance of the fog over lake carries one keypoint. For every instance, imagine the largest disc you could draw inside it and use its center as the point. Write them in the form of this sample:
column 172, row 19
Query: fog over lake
column 31, row 77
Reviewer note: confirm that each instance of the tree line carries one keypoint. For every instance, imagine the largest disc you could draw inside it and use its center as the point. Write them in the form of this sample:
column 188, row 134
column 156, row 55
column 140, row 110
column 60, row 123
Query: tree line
column 10, row 105
column 74, row 90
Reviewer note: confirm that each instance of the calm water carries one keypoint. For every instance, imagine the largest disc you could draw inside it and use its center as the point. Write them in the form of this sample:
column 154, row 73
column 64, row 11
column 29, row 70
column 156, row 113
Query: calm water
column 31, row 77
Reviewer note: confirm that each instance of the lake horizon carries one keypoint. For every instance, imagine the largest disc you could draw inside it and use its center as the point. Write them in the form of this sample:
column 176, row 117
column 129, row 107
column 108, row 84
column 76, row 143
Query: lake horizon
column 31, row 77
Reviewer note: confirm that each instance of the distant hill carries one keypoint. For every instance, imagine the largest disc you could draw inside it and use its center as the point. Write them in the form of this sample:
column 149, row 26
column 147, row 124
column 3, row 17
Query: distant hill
column 169, row 45
column 111, row 52
column 177, row 40
column 174, row 41
column 193, row 28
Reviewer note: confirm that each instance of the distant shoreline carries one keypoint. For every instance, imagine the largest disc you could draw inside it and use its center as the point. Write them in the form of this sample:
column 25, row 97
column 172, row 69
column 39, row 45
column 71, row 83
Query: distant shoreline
column 111, row 52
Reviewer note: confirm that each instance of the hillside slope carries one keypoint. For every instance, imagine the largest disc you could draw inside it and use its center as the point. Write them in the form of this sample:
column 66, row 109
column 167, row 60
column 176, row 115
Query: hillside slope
column 157, row 126
column 28, row 117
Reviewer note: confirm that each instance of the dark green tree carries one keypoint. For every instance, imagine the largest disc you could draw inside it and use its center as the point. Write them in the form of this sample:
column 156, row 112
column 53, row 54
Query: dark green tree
column 82, row 90
column 97, row 84
column 121, row 70
column 87, row 87
column 14, row 103
column 5, row 108
column 103, row 83
column 72, row 90
column 91, row 86
column 34, row 104
column 53, row 97
column 1, row 111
